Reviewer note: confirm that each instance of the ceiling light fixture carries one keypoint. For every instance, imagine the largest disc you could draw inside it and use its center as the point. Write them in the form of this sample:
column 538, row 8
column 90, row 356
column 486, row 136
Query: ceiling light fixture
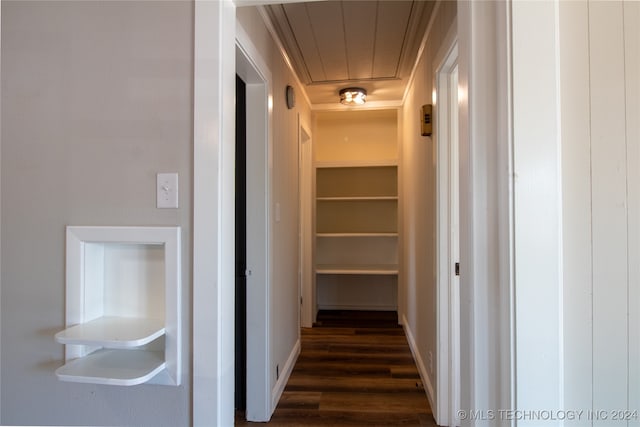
column 353, row 96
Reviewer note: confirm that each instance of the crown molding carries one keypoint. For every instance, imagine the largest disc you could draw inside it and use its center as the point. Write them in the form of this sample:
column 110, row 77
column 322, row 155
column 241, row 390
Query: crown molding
column 276, row 38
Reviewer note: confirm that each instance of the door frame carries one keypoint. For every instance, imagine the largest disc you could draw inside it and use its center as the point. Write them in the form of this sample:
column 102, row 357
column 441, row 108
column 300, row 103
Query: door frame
column 218, row 43
column 240, row 348
column 448, row 243
column 253, row 69
column 213, row 213
column 306, row 197
column 487, row 250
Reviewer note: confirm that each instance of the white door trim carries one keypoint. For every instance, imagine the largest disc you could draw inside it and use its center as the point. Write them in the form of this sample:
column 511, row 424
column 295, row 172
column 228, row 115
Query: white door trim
column 214, row 217
column 213, row 213
column 305, row 188
column 252, row 68
column 487, row 287
column 448, row 301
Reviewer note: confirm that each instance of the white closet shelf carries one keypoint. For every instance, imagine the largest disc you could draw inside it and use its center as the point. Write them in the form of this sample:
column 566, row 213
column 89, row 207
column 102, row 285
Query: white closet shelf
column 356, row 234
column 373, row 269
column 355, row 198
column 356, row 164
column 113, row 332
column 114, row 367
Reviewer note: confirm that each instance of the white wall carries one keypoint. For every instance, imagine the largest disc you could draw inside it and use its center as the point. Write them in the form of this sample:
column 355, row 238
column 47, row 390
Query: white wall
column 0, row 220
column 356, row 136
column 284, row 301
column 576, row 151
column 537, row 208
column 418, row 177
column 486, row 200
column 599, row 43
column 97, row 98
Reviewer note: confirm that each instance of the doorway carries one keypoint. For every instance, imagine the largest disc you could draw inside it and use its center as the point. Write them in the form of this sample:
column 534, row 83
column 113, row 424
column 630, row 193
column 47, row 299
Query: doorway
column 306, row 184
column 240, row 395
column 258, row 231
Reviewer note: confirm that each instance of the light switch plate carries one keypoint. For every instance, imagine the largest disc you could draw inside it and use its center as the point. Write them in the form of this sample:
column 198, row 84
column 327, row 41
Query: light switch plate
column 167, row 190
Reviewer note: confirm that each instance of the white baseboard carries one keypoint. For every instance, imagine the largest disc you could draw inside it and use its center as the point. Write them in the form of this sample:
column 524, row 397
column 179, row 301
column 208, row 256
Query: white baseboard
column 284, row 376
column 424, row 376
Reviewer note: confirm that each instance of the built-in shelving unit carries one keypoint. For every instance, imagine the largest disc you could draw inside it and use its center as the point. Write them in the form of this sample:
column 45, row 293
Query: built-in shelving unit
column 356, row 235
column 356, row 260
column 123, row 306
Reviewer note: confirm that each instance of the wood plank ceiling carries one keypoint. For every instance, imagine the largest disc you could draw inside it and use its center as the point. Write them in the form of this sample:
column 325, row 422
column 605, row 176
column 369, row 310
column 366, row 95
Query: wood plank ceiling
column 335, row 44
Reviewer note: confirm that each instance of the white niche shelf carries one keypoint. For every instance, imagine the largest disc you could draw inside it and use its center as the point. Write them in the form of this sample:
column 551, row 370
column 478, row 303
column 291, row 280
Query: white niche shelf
column 123, row 306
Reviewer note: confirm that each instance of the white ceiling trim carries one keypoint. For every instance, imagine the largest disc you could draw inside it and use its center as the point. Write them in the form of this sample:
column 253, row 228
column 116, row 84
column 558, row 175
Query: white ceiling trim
column 283, row 52
column 427, row 34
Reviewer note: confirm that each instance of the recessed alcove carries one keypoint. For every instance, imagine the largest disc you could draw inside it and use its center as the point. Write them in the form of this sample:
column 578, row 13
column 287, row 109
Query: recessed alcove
column 122, row 306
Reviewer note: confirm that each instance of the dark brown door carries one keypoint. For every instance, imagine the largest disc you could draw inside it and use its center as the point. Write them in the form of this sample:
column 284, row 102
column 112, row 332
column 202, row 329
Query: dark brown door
column 241, row 247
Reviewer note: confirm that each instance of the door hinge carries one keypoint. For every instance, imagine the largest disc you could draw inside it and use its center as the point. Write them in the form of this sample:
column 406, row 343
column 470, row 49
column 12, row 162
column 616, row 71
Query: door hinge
column 457, row 268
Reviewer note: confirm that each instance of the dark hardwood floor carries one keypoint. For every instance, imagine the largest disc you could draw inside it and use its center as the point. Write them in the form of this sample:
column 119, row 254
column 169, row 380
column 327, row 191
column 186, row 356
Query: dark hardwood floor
column 355, row 369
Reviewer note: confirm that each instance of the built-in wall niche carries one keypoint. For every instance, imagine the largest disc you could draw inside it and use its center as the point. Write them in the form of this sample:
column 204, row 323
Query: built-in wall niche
column 122, row 306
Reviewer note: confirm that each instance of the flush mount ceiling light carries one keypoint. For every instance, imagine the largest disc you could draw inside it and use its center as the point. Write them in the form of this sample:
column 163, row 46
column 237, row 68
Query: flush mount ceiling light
column 353, row 96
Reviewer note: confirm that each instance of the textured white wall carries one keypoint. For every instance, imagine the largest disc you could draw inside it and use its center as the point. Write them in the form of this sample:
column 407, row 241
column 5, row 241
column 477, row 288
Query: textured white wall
column 97, row 98
column 356, row 136
column 419, row 205
column 0, row 221
column 576, row 150
column 537, row 207
column 600, row 93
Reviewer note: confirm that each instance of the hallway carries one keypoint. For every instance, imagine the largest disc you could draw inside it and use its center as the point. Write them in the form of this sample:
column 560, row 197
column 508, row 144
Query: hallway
column 354, row 369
